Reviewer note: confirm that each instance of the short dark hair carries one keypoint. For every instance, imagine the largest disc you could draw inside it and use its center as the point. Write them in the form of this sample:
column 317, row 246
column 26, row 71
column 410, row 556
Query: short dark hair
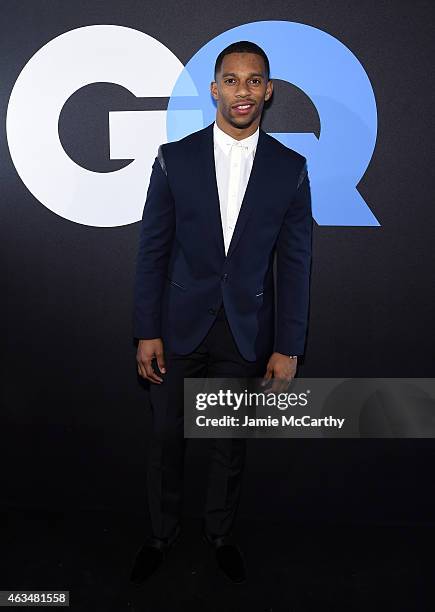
column 242, row 46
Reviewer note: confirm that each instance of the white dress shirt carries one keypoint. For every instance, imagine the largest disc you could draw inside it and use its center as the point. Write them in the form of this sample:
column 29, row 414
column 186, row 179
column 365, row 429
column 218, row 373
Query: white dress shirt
column 233, row 163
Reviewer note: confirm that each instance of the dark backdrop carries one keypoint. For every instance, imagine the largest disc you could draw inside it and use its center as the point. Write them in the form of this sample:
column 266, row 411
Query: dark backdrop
column 75, row 417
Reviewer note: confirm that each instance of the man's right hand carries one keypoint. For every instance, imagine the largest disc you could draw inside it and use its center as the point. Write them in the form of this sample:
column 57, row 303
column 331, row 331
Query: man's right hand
column 146, row 351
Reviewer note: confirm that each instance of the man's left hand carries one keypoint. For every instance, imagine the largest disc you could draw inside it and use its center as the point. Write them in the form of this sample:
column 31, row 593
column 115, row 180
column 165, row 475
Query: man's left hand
column 283, row 369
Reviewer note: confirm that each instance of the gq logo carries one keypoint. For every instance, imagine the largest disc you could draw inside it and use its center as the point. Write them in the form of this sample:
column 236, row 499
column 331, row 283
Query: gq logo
column 309, row 58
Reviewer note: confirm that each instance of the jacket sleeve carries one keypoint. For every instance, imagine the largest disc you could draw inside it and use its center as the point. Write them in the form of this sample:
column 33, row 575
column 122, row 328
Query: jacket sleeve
column 155, row 243
column 293, row 271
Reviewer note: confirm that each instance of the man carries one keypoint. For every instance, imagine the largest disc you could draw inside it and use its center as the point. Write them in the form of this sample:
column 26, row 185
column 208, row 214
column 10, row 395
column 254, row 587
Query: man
column 220, row 204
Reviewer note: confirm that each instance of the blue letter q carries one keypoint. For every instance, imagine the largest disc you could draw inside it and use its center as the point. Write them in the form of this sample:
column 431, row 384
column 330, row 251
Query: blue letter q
column 337, row 84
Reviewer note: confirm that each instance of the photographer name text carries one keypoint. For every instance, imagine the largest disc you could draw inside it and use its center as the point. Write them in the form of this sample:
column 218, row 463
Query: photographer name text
column 269, row 421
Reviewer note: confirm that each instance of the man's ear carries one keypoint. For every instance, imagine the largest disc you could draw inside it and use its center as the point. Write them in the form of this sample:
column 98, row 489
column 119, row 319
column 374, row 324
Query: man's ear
column 214, row 90
column 269, row 90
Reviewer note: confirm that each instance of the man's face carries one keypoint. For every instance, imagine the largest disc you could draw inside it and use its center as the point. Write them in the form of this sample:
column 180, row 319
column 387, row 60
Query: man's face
column 241, row 88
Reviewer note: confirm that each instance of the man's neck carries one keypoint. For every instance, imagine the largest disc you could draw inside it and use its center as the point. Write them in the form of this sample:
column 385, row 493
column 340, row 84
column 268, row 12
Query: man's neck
column 236, row 133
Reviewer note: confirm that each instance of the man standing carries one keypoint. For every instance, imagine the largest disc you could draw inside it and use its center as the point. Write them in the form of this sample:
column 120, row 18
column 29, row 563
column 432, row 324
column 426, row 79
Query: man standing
column 221, row 203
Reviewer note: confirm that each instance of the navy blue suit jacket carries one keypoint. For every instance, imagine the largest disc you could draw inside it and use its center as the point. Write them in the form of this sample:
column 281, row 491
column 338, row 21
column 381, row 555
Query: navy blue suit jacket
column 182, row 272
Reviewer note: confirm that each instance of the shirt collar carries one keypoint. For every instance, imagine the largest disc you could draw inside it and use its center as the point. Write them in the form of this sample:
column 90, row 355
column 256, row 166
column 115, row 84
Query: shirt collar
column 225, row 141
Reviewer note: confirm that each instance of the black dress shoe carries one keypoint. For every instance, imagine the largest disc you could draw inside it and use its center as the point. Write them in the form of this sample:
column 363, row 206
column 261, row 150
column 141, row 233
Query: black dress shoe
column 150, row 557
column 228, row 556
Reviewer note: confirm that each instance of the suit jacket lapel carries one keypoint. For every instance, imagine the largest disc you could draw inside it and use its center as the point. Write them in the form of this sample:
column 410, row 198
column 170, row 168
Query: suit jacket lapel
column 253, row 188
column 211, row 194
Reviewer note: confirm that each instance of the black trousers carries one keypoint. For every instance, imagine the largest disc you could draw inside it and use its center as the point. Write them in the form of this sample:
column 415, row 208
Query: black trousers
column 216, row 357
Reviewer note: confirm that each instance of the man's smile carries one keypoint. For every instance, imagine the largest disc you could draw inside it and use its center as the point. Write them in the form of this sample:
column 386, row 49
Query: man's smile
column 242, row 108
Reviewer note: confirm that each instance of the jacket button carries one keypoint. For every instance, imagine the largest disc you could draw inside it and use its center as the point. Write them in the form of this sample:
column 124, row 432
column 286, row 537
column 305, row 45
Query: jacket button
column 212, row 311
column 224, row 277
